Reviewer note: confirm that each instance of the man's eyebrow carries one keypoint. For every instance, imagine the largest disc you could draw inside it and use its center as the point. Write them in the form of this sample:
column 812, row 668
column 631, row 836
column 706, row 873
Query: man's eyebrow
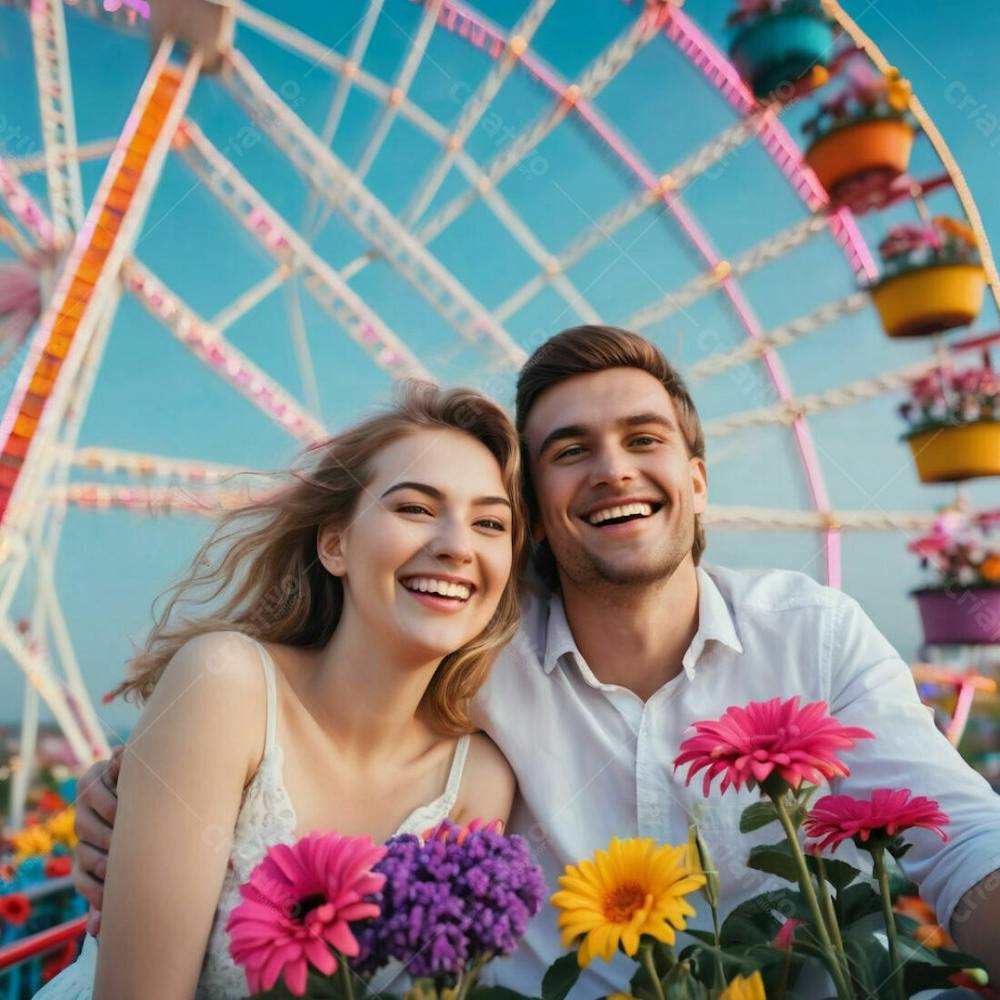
column 435, row 494
column 581, row 430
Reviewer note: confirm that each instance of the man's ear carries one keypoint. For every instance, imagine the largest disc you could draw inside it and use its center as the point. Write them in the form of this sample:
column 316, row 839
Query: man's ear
column 699, row 485
column 329, row 549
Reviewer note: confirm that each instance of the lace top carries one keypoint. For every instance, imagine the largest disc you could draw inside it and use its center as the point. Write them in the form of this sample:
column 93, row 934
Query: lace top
column 266, row 818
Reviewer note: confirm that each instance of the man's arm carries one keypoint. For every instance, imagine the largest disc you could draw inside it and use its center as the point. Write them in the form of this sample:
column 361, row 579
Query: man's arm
column 871, row 686
column 96, row 805
column 975, row 924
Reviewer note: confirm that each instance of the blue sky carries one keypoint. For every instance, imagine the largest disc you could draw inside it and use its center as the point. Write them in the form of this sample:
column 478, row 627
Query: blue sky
column 152, row 396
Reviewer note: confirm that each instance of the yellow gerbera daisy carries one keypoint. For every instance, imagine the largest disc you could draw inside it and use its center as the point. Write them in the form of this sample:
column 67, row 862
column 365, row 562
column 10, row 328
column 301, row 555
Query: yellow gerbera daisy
column 61, row 827
column 32, row 841
column 751, row 988
column 635, row 887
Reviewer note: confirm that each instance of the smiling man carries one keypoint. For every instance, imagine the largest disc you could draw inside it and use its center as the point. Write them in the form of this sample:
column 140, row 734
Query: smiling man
column 626, row 640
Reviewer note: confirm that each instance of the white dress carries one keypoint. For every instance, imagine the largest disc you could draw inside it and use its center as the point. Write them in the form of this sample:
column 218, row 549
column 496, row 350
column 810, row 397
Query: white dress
column 266, row 818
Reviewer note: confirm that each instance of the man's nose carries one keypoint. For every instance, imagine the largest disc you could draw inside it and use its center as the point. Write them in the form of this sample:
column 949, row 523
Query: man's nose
column 612, row 467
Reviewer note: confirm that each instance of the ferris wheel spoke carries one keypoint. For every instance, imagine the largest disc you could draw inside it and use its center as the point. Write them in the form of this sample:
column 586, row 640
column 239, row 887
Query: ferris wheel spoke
column 58, row 119
column 779, row 336
column 210, row 346
column 300, row 343
column 17, row 200
column 359, row 47
column 747, row 262
column 144, row 466
column 745, row 518
column 475, row 107
column 100, row 149
column 594, row 79
column 275, row 235
column 206, row 502
column 251, row 298
column 366, row 213
column 397, row 94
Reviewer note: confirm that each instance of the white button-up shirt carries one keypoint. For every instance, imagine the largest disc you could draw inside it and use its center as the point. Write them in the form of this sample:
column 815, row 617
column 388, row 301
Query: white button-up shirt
column 594, row 761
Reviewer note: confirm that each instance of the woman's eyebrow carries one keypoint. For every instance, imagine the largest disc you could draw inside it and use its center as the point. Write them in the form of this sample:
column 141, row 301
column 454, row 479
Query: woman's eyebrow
column 435, row 494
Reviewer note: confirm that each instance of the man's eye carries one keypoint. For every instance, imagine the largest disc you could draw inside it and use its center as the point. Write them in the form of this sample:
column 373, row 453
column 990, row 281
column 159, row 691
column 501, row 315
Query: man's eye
column 644, row 439
column 569, row 452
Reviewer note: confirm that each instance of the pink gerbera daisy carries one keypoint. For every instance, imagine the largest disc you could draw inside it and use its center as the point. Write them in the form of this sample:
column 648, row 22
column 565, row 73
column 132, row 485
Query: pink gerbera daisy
column 298, row 904
column 748, row 745
column 890, row 811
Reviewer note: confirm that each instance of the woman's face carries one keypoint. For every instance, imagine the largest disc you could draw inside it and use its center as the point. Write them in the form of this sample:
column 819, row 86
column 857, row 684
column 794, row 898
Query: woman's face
column 428, row 551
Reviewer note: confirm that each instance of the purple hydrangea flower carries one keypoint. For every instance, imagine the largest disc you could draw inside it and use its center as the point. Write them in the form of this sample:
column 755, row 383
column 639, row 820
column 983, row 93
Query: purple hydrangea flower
column 458, row 897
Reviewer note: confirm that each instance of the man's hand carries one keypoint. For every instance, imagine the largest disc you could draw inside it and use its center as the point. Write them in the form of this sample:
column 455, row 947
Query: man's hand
column 96, row 805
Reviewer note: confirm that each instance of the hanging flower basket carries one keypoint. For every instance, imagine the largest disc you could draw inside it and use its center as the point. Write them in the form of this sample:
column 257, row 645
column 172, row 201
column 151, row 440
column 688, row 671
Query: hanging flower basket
column 953, row 454
column 870, row 151
column 933, row 279
column 959, row 615
column 860, row 140
column 779, row 43
column 963, row 604
column 954, row 419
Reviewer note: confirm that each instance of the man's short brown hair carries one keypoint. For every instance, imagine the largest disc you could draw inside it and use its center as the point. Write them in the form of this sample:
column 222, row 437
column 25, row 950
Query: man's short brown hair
column 583, row 350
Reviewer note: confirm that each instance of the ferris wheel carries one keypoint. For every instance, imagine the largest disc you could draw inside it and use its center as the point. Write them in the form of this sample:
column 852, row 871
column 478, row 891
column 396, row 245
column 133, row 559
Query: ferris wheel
column 69, row 263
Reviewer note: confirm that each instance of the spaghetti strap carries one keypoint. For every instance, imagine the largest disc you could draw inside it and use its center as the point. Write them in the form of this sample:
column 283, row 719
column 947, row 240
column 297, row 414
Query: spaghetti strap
column 457, row 766
column 272, row 695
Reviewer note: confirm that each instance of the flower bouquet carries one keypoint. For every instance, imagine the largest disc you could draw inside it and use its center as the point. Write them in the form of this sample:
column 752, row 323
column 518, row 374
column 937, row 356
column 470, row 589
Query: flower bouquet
column 636, row 896
column 860, row 140
column 932, row 278
column 963, row 604
column 779, row 43
column 954, row 424
column 339, row 917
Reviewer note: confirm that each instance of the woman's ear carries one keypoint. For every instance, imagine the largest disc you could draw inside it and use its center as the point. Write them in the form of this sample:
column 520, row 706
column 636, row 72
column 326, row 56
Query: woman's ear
column 329, row 549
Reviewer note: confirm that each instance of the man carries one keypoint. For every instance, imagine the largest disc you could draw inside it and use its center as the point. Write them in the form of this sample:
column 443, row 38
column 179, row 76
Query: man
column 626, row 641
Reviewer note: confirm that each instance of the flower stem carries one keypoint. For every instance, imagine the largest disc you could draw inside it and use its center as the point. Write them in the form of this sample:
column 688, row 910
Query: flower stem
column 878, row 857
column 647, row 960
column 831, row 915
column 344, row 974
column 471, row 976
column 806, row 885
column 719, row 970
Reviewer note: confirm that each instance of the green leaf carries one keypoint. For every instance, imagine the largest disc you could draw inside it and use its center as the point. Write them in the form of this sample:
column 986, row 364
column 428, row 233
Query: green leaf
column 775, row 859
column 857, row 901
column 756, row 815
column 560, row 977
column 754, row 922
column 838, row 873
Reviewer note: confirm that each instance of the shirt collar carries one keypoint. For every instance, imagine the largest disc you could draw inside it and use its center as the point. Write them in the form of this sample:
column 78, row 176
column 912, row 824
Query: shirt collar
column 715, row 621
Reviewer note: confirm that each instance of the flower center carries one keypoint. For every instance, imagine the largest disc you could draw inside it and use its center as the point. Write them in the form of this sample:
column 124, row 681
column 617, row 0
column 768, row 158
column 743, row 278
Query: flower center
column 621, row 903
column 303, row 907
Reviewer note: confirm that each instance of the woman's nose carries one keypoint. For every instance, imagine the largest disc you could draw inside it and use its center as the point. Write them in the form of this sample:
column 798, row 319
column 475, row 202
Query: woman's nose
column 452, row 543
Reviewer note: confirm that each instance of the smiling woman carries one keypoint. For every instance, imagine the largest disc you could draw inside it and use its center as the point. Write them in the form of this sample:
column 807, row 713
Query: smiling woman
column 360, row 607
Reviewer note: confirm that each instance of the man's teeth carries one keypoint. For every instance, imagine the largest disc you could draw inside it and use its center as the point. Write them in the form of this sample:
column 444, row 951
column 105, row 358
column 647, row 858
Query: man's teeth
column 445, row 588
column 625, row 510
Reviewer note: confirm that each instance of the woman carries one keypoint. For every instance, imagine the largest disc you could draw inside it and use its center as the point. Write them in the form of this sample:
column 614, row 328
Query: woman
column 358, row 610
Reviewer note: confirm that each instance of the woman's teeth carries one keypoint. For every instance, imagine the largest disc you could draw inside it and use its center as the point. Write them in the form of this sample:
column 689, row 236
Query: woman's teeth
column 444, row 588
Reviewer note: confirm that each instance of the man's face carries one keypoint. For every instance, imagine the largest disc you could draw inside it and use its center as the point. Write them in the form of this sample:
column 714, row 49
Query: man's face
column 617, row 490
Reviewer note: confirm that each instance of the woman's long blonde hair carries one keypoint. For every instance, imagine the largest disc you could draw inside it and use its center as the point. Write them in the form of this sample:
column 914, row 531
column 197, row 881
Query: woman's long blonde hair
column 261, row 559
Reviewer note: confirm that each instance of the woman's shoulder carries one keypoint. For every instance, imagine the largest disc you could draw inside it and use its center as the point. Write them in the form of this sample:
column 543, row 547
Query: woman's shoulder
column 213, row 690
column 488, row 783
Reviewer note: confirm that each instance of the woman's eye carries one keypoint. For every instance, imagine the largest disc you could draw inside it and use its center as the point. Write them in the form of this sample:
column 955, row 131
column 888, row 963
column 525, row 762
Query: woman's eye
column 413, row 508
column 493, row 524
